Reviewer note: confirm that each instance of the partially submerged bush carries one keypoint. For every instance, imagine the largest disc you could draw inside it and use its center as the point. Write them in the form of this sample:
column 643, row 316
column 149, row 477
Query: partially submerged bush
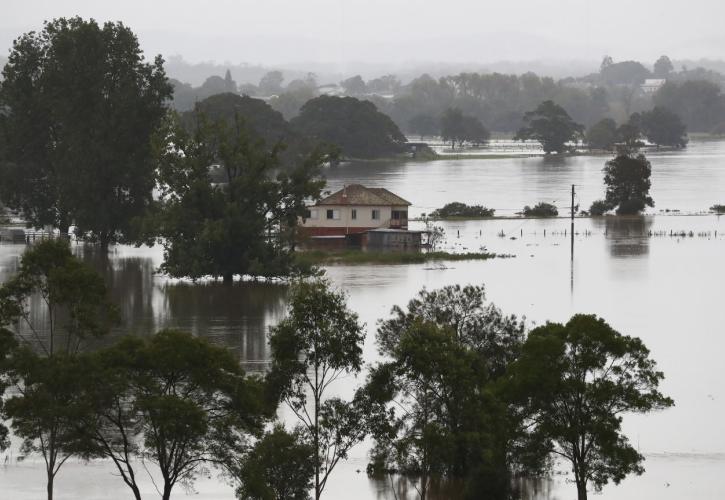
column 718, row 209
column 598, row 208
column 458, row 209
column 541, row 210
column 633, row 206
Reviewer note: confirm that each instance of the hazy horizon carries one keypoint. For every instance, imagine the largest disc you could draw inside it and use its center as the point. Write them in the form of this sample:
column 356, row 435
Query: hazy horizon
column 342, row 36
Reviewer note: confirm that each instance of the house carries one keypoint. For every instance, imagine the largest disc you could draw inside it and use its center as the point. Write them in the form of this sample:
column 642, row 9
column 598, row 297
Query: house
column 652, row 85
column 355, row 209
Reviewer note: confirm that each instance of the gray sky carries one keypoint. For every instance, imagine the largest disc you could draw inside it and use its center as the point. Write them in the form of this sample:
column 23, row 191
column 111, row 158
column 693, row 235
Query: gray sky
column 345, row 32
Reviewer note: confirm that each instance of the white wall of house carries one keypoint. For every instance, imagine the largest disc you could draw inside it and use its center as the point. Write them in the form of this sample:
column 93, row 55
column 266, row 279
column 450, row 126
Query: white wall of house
column 343, row 216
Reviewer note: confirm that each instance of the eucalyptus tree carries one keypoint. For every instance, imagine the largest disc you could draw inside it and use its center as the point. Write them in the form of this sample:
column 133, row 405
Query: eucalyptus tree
column 318, row 342
column 80, row 107
column 576, row 381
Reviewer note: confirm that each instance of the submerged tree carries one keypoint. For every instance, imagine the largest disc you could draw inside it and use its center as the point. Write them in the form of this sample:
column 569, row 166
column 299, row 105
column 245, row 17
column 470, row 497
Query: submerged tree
column 318, row 342
column 602, row 135
column 244, row 225
column 550, row 125
column 575, row 382
column 434, row 411
column 627, row 178
column 80, row 107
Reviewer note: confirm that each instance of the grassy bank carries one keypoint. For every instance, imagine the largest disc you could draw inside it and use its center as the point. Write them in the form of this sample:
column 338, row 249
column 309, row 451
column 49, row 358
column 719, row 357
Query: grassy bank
column 321, row 257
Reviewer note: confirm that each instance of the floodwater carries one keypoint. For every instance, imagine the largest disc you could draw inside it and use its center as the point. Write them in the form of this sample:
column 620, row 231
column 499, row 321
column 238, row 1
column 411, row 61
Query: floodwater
column 640, row 274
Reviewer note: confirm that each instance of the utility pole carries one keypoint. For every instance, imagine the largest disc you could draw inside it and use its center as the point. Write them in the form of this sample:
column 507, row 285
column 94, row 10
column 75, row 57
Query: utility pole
column 571, row 264
column 572, row 222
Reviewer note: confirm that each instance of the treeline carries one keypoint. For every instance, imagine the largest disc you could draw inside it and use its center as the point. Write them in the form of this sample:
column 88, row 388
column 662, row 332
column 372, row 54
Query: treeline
column 499, row 101
column 465, row 397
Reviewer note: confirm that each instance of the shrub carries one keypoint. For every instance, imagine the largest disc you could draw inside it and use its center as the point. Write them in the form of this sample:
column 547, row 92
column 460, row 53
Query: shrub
column 599, row 207
column 718, row 209
column 458, row 209
column 541, row 210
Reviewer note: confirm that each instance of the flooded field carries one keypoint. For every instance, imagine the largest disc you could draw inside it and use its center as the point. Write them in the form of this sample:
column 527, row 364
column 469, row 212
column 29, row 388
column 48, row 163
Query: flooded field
column 641, row 274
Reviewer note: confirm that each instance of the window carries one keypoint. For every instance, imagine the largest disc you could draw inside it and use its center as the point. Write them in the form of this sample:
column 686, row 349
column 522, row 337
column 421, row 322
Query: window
column 353, row 214
column 396, row 215
column 311, row 214
column 376, row 214
column 333, row 214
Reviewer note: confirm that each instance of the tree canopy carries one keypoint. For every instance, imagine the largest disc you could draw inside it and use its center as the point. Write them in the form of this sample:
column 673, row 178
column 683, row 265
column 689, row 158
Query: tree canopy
column 663, row 128
column 602, row 135
column 318, row 342
column 575, row 381
column 550, row 125
column 355, row 126
column 627, row 178
column 245, row 224
column 81, row 105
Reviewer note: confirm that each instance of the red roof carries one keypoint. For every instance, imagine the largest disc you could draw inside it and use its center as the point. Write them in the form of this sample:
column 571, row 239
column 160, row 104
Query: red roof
column 357, row 194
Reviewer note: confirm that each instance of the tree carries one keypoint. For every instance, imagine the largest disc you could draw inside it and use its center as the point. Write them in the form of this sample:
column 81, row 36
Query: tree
column 627, row 178
column 434, row 410
column 8, row 346
column 629, row 135
column 47, row 406
column 602, row 135
column 541, row 209
column 319, row 341
column 424, row 125
column 474, row 132
column 278, row 467
column 81, row 106
column 700, row 103
column 245, row 222
column 624, row 73
column 271, row 83
column 260, row 119
column 663, row 67
column 550, row 125
column 576, row 381
column 355, row 126
column 229, row 84
column 452, row 127
column 174, row 400
column 664, row 128
column 354, row 86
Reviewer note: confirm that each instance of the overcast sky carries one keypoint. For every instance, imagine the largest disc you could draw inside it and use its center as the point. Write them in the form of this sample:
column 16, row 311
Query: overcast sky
column 390, row 31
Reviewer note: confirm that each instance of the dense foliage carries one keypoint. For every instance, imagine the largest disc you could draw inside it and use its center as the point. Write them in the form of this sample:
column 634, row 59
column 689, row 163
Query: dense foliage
column 245, row 225
column 435, row 412
column 80, row 107
column 356, row 127
column 575, row 381
column 551, row 126
column 541, row 209
column 456, row 127
column 458, row 209
column 627, row 178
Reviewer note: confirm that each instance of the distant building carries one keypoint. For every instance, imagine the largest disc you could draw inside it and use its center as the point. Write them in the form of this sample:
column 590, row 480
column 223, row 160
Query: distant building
column 355, row 209
column 652, row 85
